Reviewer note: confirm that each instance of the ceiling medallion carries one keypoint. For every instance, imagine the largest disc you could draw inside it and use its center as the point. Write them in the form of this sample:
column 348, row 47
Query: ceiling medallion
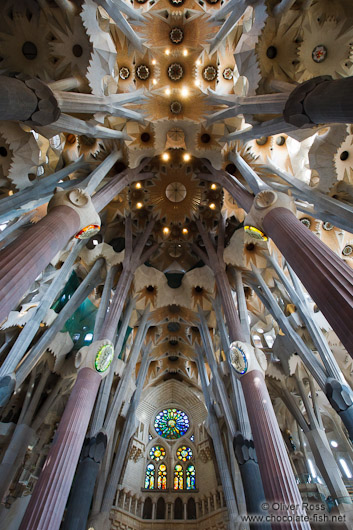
column 124, row 73
column 176, row 107
column 177, row 3
column 212, row 1
column 209, row 73
column 175, row 72
column 319, row 53
column 143, row 72
column 228, row 74
column 176, row 35
column 175, row 192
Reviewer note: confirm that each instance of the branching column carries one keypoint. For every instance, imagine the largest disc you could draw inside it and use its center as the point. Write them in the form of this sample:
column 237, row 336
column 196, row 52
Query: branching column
column 326, row 277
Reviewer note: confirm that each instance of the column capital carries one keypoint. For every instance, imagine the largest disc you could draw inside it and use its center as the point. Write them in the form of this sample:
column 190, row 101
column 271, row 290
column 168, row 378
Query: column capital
column 97, row 356
column 81, row 203
column 244, row 449
column 47, row 110
column 264, row 202
column 294, row 110
column 340, row 396
column 245, row 358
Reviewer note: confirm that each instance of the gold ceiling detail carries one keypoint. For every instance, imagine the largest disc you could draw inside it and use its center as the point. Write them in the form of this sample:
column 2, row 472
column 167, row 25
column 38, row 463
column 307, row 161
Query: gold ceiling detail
column 163, row 200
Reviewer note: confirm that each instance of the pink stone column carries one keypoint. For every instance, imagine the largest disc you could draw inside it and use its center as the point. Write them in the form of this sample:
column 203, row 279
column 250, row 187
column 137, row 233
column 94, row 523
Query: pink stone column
column 327, row 278
column 22, row 261
column 276, row 471
column 47, row 505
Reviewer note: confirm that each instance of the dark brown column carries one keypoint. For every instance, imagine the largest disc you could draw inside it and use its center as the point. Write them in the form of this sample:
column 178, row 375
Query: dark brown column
column 327, row 278
column 47, row 505
column 320, row 100
column 27, row 101
column 24, row 259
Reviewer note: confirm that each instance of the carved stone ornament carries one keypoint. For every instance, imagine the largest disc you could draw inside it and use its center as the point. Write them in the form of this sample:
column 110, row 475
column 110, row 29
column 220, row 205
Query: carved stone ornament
column 244, row 358
column 81, row 202
column 97, row 356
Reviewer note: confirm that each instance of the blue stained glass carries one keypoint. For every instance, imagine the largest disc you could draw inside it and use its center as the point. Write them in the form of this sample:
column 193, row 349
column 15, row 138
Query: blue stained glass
column 149, row 477
column 190, row 477
column 171, row 423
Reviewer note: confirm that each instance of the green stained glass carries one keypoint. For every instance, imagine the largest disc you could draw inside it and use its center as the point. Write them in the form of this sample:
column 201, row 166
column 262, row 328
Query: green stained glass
column 171, row 423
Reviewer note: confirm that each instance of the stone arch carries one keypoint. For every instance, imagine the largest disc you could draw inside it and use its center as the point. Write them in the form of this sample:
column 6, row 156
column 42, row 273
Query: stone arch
column 147, row 509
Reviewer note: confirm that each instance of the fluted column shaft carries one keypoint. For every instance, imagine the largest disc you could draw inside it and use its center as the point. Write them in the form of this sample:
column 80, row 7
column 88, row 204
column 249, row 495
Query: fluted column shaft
column 24, row 259
column 276, row 470
column 328, row 280
column 230, row 311
column 50, row 494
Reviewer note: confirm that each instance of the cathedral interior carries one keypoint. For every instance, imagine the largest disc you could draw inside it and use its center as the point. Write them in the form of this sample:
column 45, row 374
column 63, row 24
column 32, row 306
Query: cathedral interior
column 176, row 250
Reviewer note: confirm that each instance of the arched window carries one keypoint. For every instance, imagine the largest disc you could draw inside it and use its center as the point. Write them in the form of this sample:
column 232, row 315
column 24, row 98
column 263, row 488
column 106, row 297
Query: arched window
column 178, row 477
column 178, row 509
column 149, row 477
column 160, row 512
column 147, row 509
column 162, row 477
column 190, row 477
column 191, row 509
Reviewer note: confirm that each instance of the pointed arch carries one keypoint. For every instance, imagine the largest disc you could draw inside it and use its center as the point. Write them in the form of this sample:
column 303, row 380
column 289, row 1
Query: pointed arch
column 147, row 509
column 178, row 509
column 191, row 509
column 160, row 511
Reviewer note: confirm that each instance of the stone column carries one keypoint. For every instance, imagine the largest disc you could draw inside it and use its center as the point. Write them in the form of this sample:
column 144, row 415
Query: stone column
column 219, row 449
column 47, row 505
column 185, row 511
column 243, row 444
column 320, row 100
column 86, row 476
column 276, row 471
column 154, row 509
column 69, row 213
column 325, row 276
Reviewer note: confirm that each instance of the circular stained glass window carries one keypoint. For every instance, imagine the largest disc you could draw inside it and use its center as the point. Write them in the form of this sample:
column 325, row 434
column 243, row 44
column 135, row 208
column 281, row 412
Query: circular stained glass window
column 171, row 423
column 157, row 453
column 184, row 453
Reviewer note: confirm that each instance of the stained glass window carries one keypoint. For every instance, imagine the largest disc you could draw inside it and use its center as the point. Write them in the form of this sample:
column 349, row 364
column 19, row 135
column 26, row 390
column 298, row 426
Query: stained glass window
column 184, row 453
column 171, row 423
column 178, row 477
column 192, row 437
column 149, row 477
column 157, row 453
column 190, row 477
column 162, row 477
